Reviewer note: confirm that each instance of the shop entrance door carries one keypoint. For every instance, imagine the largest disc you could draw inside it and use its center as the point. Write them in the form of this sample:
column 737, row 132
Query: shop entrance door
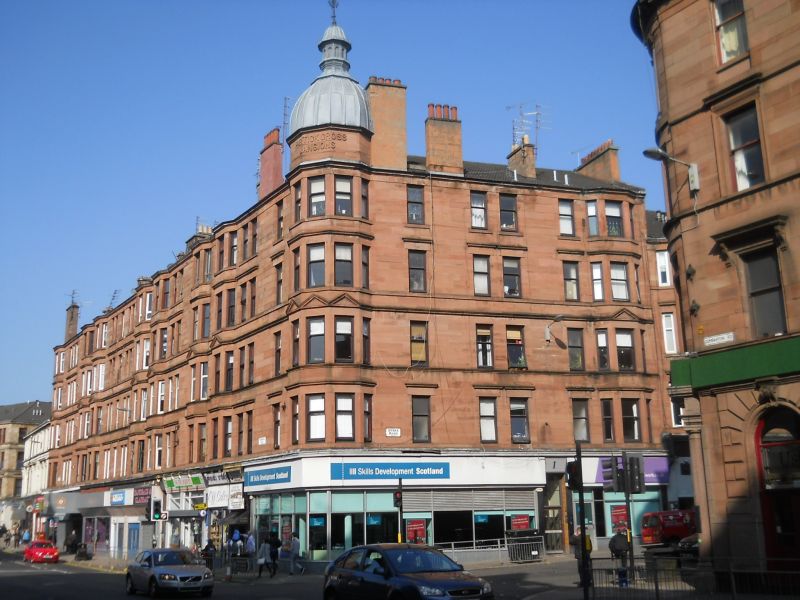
column 120, row 545
column 553, row 514
column 133, row 539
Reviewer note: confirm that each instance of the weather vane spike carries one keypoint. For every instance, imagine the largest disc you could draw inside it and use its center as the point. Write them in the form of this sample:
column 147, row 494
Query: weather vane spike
column 333, row 5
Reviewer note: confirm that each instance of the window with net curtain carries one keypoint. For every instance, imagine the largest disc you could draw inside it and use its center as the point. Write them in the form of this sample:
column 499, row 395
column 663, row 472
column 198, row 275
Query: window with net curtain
column 731, row 29
column 745, row 148
column 580, row 420
column 488, row 419
column 477, row 202
column 480, row 265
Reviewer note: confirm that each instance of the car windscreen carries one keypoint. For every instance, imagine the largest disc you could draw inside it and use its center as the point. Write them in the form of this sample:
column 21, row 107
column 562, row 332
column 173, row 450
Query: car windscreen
column 419, row 560
column 41, row 545
column 173, row 558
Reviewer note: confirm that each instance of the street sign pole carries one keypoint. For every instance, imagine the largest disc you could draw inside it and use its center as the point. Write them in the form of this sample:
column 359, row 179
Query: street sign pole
column 585, row 568
column 626, row 480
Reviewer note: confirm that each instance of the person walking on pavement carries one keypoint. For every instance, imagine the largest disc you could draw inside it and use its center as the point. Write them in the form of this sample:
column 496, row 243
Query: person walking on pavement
column 584, row 573
column 274, row 549
column 295, row 552
column 262, row 557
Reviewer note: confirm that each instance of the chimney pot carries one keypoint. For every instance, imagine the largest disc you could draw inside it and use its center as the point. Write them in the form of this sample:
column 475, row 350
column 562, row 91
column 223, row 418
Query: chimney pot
column 438, row 111
column 454, row 113
column 397, row 82
column 430, row 111
column 373, row 79
column 446, row 112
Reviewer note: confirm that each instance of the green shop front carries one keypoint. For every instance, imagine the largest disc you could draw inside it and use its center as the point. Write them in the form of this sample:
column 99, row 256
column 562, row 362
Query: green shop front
column 334, row 503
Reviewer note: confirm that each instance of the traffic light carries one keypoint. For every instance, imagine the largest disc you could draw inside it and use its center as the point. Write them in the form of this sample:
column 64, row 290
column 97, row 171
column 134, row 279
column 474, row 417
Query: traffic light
column 156, row 510
column 573, row 475
column 148, row 511
column 398, row 499
column 635, row 474
column 612, row 476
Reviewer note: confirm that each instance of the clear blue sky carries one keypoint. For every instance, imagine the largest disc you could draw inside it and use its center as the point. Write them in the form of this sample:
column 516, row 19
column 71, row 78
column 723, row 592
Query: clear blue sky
column 122, row 122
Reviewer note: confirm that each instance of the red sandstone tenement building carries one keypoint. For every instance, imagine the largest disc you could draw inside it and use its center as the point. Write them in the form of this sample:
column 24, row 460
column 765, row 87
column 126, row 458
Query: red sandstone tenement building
column 375, row 316
column 728, row 80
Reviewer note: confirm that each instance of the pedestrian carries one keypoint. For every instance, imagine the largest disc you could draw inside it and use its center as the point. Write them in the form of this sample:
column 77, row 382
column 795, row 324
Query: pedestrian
column 250, row 550
column 262, row 558
column 26, row 537
column 584, row 570
column 618, row 545
column 274, row 550
column 70, row 543
column 295, row 555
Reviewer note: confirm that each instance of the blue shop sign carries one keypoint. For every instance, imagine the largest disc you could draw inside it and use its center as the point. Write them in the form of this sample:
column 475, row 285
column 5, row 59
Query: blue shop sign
column 118, row 498
column 259, row 477
column 373, row 520
column 415, row 470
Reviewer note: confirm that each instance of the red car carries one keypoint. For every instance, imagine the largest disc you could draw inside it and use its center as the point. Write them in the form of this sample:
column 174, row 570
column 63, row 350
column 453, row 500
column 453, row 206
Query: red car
column 41, row 552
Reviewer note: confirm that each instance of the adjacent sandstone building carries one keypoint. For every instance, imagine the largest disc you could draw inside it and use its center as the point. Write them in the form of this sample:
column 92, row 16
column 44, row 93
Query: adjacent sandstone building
column 728, row 130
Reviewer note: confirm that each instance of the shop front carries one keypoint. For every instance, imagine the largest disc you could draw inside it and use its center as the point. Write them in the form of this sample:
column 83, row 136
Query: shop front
column 66, row 517
column 606, row 511
column 184, row 501
column 334, row 503
column 127, row 511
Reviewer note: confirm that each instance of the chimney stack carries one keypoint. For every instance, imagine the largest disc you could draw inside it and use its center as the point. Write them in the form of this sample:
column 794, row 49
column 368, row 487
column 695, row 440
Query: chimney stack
column 270, row 171
column 73, row 312
column 522, row 159
column 443, row 150
column 387, row 99
column 601, row 163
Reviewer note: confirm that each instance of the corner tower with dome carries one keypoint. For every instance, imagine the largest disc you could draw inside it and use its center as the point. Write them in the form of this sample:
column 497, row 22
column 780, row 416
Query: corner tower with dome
column 374, row 317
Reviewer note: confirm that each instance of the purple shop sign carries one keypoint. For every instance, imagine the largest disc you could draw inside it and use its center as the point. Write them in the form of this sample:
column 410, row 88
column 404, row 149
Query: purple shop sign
column 656, row 470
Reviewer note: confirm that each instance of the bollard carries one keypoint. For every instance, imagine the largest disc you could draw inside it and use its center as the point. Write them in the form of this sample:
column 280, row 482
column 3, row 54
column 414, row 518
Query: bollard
column 228, row 572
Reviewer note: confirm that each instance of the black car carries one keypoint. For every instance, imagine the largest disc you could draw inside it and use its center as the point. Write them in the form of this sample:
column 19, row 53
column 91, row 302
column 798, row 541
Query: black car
column 400, row 572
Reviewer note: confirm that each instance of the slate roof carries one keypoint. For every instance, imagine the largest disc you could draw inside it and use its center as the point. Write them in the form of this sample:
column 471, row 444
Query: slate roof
column 655, row 224
column 23, row 412
column 500, row 173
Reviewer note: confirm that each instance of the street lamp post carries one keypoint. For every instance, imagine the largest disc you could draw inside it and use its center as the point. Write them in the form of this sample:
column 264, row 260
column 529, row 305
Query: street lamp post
column 659, row 154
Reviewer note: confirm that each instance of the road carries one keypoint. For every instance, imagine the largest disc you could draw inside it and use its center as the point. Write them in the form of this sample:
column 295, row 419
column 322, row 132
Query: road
column 63, row 581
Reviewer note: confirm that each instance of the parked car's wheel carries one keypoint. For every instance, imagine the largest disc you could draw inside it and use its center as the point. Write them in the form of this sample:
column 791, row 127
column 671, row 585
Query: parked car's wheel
column 152, row 590
column 129, row 587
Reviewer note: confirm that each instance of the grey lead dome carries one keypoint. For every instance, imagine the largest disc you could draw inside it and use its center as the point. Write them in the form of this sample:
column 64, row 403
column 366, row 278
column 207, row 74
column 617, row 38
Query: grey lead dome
column 335, row 97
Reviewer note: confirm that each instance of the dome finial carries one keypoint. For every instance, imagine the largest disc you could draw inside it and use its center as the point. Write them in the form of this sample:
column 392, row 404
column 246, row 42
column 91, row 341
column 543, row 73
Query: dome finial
column 333, row 4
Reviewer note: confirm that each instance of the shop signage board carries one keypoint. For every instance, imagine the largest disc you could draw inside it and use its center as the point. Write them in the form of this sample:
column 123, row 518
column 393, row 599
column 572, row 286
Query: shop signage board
column 216, row 478
column 619, row 517
column 141, row 495
column 117, row 498
column 218, row 496
column 415, row 531
column 174, row 483
column 268, row 476
column 236, row 501
column 399, row 470
column 520, row 522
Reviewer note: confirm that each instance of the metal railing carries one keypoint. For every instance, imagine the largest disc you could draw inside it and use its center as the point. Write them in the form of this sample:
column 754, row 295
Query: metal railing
column 522, row 549
column 675, row 578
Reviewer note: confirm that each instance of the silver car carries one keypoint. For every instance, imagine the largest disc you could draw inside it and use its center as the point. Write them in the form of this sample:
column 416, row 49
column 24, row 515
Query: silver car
column 168, row 570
